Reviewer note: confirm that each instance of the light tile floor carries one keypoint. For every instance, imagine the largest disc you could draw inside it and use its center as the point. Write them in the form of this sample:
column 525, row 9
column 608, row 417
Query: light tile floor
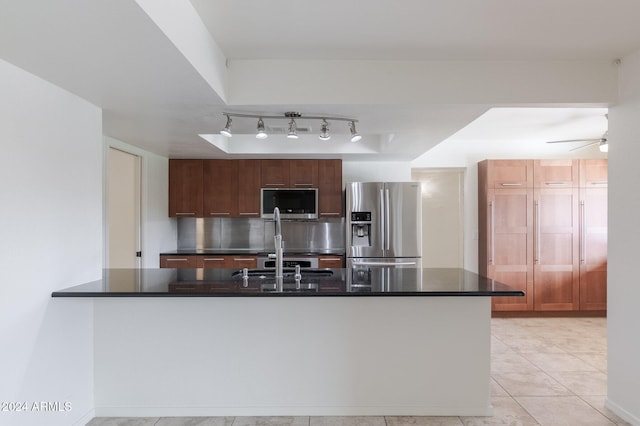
column 545, row 371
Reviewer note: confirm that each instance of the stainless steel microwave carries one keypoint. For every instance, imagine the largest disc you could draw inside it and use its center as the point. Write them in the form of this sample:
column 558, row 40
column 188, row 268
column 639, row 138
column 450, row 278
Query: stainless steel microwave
column 293, row 203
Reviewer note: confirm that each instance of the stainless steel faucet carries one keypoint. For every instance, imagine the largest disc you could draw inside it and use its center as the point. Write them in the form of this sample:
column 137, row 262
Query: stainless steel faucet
column 277, row 242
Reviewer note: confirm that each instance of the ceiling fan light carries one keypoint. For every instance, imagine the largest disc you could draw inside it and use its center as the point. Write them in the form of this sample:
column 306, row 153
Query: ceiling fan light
column 355, row 136
column 227, row 128
column 324, row 131
column 261, row 132
column 293, row 134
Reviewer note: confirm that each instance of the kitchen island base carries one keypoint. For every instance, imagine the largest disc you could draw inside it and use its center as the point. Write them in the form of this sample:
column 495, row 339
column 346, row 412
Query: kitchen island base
column 330, row 356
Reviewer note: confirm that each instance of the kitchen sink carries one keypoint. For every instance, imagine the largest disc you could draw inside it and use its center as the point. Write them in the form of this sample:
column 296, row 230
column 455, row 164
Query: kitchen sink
column 287, row 273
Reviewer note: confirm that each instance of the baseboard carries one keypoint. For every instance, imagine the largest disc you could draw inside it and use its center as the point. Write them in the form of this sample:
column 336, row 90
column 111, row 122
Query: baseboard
column 548, row 314
column 86, row 418
column 622, row 413
column 222, row 411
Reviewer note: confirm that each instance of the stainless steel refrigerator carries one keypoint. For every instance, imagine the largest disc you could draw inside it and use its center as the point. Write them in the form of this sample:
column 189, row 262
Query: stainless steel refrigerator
column 384, row 224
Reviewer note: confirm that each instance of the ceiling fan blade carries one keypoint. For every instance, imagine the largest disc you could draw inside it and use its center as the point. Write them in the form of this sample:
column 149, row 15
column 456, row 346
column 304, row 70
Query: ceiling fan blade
column 577, row 140
column 584, row 146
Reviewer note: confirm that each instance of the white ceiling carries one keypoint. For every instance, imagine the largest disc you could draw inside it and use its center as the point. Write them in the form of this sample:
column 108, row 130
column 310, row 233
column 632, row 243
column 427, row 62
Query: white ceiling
column 156, row 96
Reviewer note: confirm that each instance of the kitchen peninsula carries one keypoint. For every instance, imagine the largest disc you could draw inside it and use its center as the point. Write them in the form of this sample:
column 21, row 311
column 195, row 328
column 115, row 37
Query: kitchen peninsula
column 361, row 341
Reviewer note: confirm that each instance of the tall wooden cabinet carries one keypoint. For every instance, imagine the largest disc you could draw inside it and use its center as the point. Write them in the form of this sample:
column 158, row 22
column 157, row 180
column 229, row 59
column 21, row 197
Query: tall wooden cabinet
column 535, row 233
column 593, row 245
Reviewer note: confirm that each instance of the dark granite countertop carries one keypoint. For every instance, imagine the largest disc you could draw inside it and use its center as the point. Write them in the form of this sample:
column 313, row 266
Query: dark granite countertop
column 318, row 282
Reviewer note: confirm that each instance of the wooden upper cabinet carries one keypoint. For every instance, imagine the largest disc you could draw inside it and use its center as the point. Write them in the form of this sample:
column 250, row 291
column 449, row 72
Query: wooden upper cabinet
column 303, row 173
column 275, row 173
column 502, row 174
column 185, row 188
column 220, row 188
column 249, row 184
column 556, row 173
column 594, row 173
column 330, row 202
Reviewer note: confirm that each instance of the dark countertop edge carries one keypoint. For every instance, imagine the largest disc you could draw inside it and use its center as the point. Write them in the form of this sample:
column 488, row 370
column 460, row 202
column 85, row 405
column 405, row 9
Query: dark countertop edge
column 230, row 252
column 295, row 294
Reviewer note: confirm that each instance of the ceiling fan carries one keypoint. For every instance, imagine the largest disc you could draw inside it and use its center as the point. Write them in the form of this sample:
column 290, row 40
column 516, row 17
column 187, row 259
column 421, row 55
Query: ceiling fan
column 603, row 145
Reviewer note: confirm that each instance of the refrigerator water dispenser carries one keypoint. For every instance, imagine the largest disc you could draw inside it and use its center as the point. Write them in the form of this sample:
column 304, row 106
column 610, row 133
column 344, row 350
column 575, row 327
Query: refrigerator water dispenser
column 361, row 229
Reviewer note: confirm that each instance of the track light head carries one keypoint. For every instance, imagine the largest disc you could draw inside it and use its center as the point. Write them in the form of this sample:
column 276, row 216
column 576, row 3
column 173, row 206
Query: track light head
column 293, row 134
column 261, row 132
column 324, row 131
column 355, row 136
column 227, row 128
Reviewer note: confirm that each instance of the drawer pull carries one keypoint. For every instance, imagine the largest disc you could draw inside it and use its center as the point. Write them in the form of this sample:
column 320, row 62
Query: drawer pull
column 511, row 184
column 330, row 214
column 213, row 259
column 243, row 258
column 185, row 214
column 177, row 260
column 556, row 183
column 249, row 213
column 219, row 214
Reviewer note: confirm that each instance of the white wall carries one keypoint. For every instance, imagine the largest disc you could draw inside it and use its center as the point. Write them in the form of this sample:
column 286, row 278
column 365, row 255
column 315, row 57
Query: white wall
column 462, row 152
column 159, row 231
column 376, row 171
column 51, row 238
column 624, row 250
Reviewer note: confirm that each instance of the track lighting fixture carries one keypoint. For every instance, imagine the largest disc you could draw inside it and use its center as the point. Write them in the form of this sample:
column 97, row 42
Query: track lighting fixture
column 261, row 133
column 324, row 131
column 355, row 136
column 292, row 132
column 227, row 128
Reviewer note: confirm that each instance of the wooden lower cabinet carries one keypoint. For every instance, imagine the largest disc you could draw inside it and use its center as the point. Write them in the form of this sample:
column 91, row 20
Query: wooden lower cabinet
column 208, row 261
column 331, row 262
column 178, row 261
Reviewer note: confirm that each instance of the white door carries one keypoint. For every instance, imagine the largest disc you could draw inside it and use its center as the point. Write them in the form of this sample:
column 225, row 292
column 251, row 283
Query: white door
column 123, row 182
column 442, row 216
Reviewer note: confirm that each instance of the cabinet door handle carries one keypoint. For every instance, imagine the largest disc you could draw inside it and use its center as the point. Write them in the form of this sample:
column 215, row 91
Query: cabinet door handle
column 329, row 258
column 243, row 258
column 536, row 241
column 330, row 214
column 219, row 214
column 583, row 231
column 555, row 183
column 491, row 233
column 213, row 259
column 274, row 184
column 602, row 182
column 177, row 260
column 511, row 184
column 249, row 213
column 185, row 213
column 303, row 184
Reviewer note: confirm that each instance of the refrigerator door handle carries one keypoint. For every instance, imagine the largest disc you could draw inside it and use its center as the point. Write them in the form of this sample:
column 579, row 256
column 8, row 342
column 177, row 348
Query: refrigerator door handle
column 387, row 243
column 383, row 221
